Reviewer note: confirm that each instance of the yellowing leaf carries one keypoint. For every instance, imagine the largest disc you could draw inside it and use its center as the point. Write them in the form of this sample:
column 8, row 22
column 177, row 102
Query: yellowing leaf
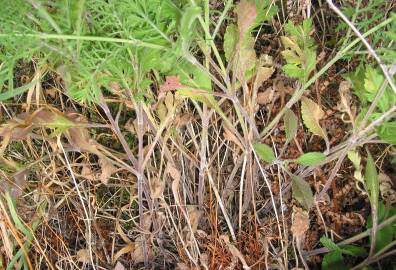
column 302, row 192
column 230, row 41
column 291, row 121
column 311, row 115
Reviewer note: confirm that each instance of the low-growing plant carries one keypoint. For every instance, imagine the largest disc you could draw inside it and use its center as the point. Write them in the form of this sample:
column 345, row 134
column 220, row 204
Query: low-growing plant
column 367, row 82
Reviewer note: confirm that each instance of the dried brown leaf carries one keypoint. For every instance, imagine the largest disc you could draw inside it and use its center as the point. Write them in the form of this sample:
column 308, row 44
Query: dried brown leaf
column 171, row 83
column 157, row 188
column 312, row 114
column 229, row 136
column 300, row 222
column 138, row 253
column 175, row 174
column 266, row 97
column 194, row 215
column 119, row 266
column 83, row 256
column 247, row 13
column 388, row 192
column 107, row 169
column 263, row 74
column 124, row 250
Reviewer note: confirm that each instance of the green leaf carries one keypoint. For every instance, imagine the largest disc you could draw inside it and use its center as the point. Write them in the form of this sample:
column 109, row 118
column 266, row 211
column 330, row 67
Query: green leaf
column 372, row 82
column 388, row 233
column 333, row 260
column 371, row 179
column 387, row 132
column 302, row 192
column 291, row 124
column 311, row 158
column 291, row 57
column 230, row 40
column 293, row 71
column 17, row 91
column 327, row 242
column 190, row 14
column 354, row 251
column 311, row 115
column 265, row 152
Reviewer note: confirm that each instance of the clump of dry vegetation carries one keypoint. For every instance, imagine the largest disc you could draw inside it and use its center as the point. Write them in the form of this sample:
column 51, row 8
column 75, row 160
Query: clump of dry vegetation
column 175, row 134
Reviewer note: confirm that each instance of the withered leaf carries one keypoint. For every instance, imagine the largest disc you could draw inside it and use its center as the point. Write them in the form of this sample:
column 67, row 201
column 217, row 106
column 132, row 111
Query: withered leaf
column 312, row 114
column 157, row 188
column 302, row 192
column 119, row 266
column 171, row 83
column 107, row 169
column 247, row 13
column 300, row 222
column 262, row 75
column 83, row 256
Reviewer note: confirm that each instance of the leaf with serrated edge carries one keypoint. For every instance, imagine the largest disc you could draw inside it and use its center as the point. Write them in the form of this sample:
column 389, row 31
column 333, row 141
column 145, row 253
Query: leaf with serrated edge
column 302, row 192
column 311, row 115
column 264, row 152
column 291, row 121
column 327, row 242
column 311, row 158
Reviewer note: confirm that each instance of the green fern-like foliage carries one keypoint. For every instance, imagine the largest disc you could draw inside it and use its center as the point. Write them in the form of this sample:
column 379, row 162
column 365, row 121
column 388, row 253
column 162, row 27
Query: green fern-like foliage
column 94, row 43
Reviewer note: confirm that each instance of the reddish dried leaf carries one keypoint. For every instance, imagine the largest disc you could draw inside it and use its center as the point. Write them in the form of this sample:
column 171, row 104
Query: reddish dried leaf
column 171, row 83
column 247, row 13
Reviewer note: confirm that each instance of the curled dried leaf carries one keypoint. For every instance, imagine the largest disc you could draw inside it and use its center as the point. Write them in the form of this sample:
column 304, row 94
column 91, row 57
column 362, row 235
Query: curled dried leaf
column 107, row 169
column 83, row 256
column 388, row 191
column 300, row 222
column 157, row 188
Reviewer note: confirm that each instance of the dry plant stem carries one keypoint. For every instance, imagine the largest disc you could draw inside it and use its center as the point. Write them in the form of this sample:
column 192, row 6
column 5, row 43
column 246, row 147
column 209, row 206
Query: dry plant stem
column 117, row 131
column 241, row 193
column 333, row 174
column 224, row 211
column 140, row 169
column 374, row 259
column 202, row 155
column 271, row 195
column 365, row 42
column 204, row 116
column 87, row 216
column 170, row 215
